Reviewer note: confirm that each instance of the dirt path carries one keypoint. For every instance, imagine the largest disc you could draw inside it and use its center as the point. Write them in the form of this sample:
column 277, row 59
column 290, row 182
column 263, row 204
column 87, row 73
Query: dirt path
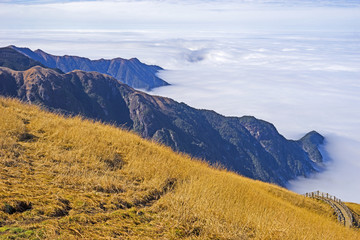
column 344, row 214
column 348, row 220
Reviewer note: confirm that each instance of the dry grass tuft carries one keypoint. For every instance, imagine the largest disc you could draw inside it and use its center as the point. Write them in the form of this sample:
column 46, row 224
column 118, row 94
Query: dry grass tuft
column 73, row 178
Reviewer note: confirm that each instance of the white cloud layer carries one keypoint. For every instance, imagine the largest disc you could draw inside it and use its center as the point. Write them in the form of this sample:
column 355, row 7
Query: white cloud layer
column 227, row 15
column 293, row 63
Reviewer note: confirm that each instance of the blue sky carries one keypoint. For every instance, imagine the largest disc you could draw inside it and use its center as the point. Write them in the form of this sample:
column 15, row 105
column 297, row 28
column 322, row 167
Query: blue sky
column 334, row 3
column 40, row 1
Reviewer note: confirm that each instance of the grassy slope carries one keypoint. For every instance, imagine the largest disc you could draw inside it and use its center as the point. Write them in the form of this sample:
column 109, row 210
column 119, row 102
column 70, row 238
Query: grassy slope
column 355, row 208
column 89, row 180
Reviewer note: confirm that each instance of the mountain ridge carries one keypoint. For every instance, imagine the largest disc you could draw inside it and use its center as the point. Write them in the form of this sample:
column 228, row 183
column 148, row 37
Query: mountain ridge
column 245, row 145
column 131, row 72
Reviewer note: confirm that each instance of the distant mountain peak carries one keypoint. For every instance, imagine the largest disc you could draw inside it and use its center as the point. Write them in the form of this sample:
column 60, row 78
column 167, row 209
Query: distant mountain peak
column 134, row 60
column 39, row 51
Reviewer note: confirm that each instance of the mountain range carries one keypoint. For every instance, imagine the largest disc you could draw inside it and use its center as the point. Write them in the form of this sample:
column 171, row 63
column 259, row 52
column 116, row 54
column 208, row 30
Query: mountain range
column 245, row 145
column 132, row 72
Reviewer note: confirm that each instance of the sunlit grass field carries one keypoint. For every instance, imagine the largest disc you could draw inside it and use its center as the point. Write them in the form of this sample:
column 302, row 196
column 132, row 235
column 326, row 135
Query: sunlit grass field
column 355, row 209
column 70, row 178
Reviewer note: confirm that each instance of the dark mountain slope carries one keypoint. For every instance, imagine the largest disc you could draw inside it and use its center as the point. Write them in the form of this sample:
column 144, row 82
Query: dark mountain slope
column 13, row 59
column 132, row 72
column 246, row 145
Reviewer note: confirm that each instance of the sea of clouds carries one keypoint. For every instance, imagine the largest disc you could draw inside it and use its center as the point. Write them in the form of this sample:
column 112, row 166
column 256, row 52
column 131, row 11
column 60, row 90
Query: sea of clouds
column 293, row 63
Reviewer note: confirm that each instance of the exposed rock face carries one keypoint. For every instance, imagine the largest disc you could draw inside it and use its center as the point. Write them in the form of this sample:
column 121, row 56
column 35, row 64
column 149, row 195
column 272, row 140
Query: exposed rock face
column 245, row 145
column 309, row 141
column 132, row 72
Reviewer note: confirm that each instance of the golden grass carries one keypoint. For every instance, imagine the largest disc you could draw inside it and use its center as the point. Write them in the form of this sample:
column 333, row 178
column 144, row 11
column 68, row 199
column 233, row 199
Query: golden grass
column 355, row 208
column 76, row 179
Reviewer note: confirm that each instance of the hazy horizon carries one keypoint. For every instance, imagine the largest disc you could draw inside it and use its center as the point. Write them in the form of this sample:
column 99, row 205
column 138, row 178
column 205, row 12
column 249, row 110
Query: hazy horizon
column 292, row 63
